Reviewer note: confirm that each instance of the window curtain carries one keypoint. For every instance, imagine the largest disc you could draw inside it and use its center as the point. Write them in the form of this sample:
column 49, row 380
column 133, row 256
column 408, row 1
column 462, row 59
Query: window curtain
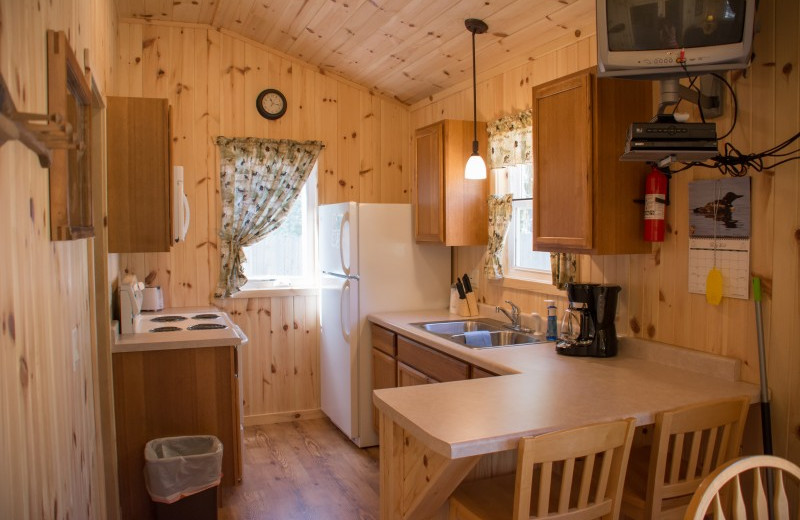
column 510, row 140
column 564, row 267
column 499, row 219
column 259, row 181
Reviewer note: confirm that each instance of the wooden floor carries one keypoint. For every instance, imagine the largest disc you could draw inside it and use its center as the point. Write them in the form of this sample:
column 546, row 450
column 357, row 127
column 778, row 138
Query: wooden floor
column 303, row 470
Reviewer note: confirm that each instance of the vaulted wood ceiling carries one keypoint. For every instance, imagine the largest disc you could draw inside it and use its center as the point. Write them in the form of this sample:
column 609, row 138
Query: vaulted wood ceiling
column 408, row 49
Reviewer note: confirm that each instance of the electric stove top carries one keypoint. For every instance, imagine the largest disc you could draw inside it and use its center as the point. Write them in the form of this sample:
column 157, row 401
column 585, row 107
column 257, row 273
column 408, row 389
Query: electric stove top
column 180, row 328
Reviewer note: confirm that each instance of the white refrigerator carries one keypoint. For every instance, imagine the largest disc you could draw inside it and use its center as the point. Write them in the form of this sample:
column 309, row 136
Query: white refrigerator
column 370, row 262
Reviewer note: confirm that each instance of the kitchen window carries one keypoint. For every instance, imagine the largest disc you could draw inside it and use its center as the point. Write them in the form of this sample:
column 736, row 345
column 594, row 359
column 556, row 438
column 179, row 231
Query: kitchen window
column 519, row 261
column 287, row 256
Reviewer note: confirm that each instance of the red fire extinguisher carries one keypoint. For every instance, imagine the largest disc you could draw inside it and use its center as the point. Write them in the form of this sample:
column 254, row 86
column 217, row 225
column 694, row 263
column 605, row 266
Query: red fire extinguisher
column 655, row 203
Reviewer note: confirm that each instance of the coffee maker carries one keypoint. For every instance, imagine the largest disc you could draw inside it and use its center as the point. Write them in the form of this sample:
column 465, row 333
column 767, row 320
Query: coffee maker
column 587, row 328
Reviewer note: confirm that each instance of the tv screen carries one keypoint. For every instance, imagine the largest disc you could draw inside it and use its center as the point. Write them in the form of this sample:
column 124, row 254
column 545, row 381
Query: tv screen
column 648, row 37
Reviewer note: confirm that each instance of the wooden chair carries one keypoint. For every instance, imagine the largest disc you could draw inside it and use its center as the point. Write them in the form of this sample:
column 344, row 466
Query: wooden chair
column 574, row 474
column 726, row 481
column 688, row 444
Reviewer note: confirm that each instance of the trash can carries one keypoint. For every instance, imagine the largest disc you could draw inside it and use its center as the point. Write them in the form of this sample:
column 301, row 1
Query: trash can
column 182, row 475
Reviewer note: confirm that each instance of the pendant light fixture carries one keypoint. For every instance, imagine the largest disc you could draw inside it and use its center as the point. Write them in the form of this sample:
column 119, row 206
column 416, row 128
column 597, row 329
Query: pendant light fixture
column 476, row 168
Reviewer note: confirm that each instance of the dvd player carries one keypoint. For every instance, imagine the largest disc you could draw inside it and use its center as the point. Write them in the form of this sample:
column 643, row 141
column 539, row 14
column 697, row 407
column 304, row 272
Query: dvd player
column 659, row 131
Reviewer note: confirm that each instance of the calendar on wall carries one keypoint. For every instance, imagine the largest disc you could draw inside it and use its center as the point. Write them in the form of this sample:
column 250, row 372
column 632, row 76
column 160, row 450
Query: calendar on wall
column 719, row 234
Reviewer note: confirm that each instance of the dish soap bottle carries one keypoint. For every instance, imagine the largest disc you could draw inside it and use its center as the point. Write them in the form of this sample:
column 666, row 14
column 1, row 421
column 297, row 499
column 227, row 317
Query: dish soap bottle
column 551, row 334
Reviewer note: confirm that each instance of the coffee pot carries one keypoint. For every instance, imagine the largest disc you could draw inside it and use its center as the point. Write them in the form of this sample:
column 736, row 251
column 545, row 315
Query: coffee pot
column 587, row 328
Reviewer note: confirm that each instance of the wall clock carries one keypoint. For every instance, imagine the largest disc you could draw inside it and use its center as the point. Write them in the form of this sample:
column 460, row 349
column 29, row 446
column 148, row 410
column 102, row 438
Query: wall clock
column 271, row 103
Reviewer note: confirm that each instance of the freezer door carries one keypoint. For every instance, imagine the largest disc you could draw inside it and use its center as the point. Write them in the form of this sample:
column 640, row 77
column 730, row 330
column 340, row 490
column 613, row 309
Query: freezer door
column 338, row 233
column 338, row 350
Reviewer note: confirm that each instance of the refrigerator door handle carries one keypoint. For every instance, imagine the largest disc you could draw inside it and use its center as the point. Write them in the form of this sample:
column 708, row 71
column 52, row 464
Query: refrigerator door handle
column 345, row 220
column 344, row 305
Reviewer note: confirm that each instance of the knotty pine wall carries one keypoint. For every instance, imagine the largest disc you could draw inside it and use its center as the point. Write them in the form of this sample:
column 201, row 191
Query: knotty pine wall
column 655, row 303
column 212, row 79
column 50, row 446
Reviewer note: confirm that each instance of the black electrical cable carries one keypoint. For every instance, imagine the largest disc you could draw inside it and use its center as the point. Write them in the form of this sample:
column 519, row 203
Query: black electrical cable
column 732, row 161
column 735, row 103
column 699, row 94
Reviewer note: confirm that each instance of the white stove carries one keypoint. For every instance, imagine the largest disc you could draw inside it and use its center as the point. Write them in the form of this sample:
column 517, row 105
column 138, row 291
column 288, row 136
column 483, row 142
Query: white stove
column 175, row 328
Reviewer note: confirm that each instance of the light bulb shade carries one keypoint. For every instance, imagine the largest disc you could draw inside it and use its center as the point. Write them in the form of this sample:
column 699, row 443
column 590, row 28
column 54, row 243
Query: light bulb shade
column 476, row 168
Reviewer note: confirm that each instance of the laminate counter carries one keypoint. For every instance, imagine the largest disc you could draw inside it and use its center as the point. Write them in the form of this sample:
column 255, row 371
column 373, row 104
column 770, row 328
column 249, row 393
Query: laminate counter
column 455, row 423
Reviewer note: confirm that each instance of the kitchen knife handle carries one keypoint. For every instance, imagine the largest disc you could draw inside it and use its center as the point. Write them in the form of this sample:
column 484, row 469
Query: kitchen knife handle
column 467, row 283
column 460, row 288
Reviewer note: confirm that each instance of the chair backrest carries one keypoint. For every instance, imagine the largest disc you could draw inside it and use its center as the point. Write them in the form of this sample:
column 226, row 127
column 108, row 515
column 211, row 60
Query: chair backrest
column 580, row 472
column 688, row 444
column 722, row 490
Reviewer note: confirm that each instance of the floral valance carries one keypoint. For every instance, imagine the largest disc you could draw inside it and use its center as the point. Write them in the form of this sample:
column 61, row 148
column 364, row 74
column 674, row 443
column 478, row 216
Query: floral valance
column 511, row 140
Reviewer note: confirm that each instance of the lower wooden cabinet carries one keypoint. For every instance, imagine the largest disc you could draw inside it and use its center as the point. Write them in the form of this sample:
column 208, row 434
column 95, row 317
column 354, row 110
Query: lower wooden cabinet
column 432, row 363
column 166, row 393
column 398, row 361
column 384, row 375
column 478, row 372
column 407, row 376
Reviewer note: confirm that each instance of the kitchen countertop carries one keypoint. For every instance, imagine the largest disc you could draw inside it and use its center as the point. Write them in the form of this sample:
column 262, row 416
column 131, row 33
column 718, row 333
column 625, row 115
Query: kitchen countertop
column 544, row 391
column 149, row 341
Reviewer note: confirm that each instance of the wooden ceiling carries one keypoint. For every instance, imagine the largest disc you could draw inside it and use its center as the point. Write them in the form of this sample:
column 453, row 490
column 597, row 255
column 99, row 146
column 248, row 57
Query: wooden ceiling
column 407, row 49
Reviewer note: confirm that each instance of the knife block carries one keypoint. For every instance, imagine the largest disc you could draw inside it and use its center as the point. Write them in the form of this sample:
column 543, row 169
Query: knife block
column 472, row 304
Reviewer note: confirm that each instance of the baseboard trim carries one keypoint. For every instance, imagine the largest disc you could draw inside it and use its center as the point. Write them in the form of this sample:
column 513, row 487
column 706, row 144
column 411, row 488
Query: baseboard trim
column 279, row 417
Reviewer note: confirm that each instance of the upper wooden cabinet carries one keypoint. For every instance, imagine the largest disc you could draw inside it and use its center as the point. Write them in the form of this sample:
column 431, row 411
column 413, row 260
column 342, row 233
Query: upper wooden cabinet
column 583, row 195
column 449, row 209
column 139, row 175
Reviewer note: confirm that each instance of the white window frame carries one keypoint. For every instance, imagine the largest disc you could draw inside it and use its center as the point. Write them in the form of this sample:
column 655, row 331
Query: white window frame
column 293, row 285
column 501, row 187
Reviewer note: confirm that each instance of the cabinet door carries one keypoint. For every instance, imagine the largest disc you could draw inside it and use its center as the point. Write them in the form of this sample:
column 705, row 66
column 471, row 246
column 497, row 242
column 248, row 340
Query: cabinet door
column 384, row 375
column 429, row 207
column 407, row 376
column 139, row 175
column 478, row 372
column 433, row 363
column 562, row 173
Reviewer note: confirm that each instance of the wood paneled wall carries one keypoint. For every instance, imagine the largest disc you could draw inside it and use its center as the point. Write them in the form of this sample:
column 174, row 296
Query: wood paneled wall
column 50, row 449
column 655, row 302
column 212, row 79
column 280, row 364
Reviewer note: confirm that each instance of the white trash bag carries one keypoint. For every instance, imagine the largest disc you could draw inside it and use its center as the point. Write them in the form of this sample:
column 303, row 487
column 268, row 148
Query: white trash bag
column 176, row 467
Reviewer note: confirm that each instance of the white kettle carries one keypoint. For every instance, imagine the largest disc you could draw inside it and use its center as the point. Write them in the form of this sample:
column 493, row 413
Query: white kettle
column 153, row 299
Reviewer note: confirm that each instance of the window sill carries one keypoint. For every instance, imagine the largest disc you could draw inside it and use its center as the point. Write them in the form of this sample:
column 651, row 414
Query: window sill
column 529, row 285
column 256, row 290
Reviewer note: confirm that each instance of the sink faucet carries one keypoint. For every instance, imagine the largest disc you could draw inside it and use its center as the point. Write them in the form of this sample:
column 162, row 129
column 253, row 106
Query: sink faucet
column 513, row 316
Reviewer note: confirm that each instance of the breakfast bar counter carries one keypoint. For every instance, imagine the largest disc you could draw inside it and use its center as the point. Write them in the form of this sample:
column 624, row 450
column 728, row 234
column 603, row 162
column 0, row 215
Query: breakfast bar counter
column 432, row 436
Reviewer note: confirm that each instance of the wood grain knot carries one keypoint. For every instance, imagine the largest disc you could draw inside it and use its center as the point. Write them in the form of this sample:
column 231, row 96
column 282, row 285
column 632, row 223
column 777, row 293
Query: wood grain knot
column 651, row 330
column 24, row 377
column 33, row 212
column 425, row 460
column 12, row 326
column 634, row 325
column 797, row 234
column 577, row 33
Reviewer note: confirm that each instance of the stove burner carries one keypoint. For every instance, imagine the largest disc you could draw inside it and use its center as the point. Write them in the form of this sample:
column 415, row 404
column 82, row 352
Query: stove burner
column 206, row 317
column 168, row 318
column 207, row 326
column 165, row 329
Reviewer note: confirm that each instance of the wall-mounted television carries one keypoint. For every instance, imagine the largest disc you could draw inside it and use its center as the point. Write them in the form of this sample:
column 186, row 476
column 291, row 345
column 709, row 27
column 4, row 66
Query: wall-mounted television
column 645, row 38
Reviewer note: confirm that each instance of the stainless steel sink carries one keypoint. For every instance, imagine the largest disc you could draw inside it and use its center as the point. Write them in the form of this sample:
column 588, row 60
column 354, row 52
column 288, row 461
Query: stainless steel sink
column 448, row 328
column 498, row 334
